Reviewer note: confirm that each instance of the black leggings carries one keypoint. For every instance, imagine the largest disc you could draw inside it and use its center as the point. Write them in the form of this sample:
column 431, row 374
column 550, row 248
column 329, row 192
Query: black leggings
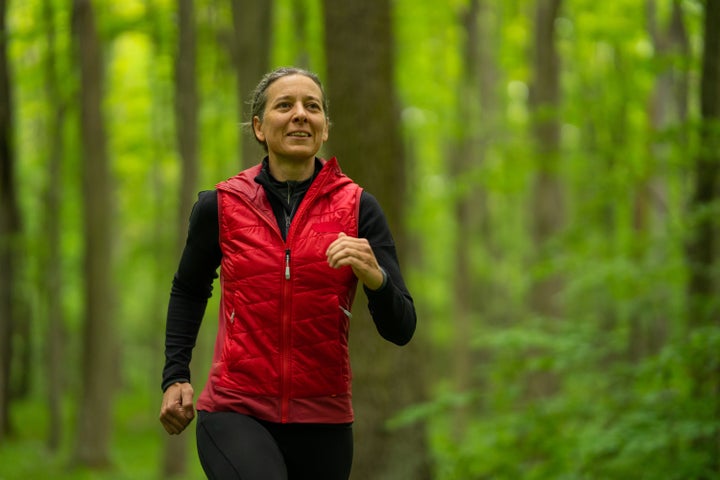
column 238, row 447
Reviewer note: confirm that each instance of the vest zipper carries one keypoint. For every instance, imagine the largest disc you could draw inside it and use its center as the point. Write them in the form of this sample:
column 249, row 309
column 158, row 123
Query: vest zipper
column 286, row 315
column 287, row 264
column 285, row 342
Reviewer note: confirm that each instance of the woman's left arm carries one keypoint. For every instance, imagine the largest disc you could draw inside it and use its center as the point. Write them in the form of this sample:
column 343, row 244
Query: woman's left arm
column 391, row 305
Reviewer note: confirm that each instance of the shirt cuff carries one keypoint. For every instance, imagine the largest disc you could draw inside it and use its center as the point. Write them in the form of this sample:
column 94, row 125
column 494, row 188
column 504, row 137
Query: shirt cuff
column 384, row 281
column 173, row 381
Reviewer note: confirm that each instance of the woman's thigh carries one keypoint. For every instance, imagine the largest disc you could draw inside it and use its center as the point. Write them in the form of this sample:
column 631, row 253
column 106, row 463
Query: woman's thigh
column 235, row 446
column 315, row 452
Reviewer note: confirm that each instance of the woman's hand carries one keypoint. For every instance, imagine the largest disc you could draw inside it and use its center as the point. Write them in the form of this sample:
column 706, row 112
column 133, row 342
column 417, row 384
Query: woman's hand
column 177, row 409
column 356, row 253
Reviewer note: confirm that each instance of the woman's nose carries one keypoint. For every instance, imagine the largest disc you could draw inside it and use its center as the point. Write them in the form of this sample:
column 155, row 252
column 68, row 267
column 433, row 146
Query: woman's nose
column 300, row 115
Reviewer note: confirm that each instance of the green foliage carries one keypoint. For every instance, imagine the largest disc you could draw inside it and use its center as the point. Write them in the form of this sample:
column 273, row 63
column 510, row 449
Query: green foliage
column 136, row 446
column 626, row 421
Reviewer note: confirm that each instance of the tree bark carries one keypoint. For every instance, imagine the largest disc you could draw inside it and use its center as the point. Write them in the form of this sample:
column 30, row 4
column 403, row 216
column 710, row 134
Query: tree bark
column 186, row 108
column 547, row 208
column 477, row 111
column 547, row 197
column 365, row 137
column 9, row 224
column 667, row 107
column 186, row 119
column 251, row 20
column 701, row 253
column 300, row 18
column 52, row 282
column 99, row 349
column 701, row 248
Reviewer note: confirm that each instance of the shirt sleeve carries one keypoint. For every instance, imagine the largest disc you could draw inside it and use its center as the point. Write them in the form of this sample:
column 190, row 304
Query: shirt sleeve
column 191, row 288
column 391, row 306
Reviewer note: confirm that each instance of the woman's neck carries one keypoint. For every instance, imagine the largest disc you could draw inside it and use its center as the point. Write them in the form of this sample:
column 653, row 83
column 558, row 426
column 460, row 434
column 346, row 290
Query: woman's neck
column 284, row 171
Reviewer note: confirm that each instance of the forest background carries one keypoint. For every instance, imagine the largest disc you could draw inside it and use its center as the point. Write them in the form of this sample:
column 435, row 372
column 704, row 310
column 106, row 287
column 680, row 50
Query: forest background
column 550, row 169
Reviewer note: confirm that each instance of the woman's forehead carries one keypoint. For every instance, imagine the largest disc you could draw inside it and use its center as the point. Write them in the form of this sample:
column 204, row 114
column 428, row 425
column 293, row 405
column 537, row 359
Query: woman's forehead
column 295, row 85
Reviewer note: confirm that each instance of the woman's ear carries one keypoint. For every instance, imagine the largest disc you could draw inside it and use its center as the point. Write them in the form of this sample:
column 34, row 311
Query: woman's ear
column 257, row 124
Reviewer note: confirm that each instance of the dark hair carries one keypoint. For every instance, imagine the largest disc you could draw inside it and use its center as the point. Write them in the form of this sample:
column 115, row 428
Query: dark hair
column 259, row 95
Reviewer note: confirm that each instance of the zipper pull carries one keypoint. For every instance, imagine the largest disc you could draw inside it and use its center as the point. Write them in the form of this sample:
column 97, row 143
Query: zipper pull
column 287, row 264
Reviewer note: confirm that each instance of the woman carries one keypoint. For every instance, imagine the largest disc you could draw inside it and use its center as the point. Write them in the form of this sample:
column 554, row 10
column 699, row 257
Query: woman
column 292, row 236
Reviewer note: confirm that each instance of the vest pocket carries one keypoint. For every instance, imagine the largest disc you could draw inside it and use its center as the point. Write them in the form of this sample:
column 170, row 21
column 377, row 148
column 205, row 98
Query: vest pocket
column 250, row 352
column 321, row 366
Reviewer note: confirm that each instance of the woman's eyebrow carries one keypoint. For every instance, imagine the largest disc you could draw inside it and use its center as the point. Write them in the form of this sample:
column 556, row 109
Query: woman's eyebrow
column 290, row 97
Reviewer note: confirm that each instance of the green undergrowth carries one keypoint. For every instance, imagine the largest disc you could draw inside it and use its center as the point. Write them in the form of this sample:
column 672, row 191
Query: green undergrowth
column 136, row 446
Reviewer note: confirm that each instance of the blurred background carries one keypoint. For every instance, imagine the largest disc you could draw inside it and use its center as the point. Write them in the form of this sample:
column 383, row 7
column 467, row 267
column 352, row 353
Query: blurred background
column 550, row 170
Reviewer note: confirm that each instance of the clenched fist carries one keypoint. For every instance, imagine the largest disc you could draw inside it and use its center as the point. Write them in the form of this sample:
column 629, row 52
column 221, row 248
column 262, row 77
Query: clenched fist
column 356, row 253
column 177, row 409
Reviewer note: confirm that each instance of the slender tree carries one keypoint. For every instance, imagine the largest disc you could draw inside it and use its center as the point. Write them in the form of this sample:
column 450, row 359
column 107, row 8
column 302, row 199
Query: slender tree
column 667, row 109
column 99, row 359
column 52, row 281
column 701, row 252
column 476, row 115
column 547, row 208
column 547, row 198
column 186, row 108
column 186, row 119
column 300, row 39
column 9, row 224
column 366, row 139
column 251, row 53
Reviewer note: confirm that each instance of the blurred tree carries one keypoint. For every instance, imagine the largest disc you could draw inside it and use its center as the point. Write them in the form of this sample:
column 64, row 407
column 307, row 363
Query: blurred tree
column 186, row 130
column 669, row 100
column 251, row 54
column 477, row 111
column 702, row 247
column 186, row 114
column 300, row 28
column 9, row 224
column 667, row 109
column 547, row 210
column 52, row 286
column 365, row 137
column 100, row 356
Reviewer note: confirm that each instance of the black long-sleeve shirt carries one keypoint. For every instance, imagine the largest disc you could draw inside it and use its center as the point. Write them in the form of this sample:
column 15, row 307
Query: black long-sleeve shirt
column 391, row 306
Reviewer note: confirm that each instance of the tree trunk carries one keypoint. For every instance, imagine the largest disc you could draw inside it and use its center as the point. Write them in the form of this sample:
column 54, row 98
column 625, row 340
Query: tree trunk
column 52, row 282
column 99, row 348
column 186, row 108
column 547, row 197
column 477, row 111
column 251, row 20
column 186, row 113
column 9, row 225
column 701, row 254
column 300, row 39
column 701, row 248
column 667, row 107
column 359, row 46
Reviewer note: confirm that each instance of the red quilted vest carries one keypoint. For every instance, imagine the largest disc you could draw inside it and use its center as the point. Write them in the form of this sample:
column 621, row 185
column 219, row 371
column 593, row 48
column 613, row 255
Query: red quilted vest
column 281, row 352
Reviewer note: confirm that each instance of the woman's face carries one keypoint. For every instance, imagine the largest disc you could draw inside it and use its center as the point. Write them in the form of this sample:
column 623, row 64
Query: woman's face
column 294, row 125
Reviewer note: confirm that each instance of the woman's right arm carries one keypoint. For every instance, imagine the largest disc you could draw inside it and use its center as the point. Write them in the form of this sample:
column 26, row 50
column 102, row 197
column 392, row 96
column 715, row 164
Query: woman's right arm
column 191, row 288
